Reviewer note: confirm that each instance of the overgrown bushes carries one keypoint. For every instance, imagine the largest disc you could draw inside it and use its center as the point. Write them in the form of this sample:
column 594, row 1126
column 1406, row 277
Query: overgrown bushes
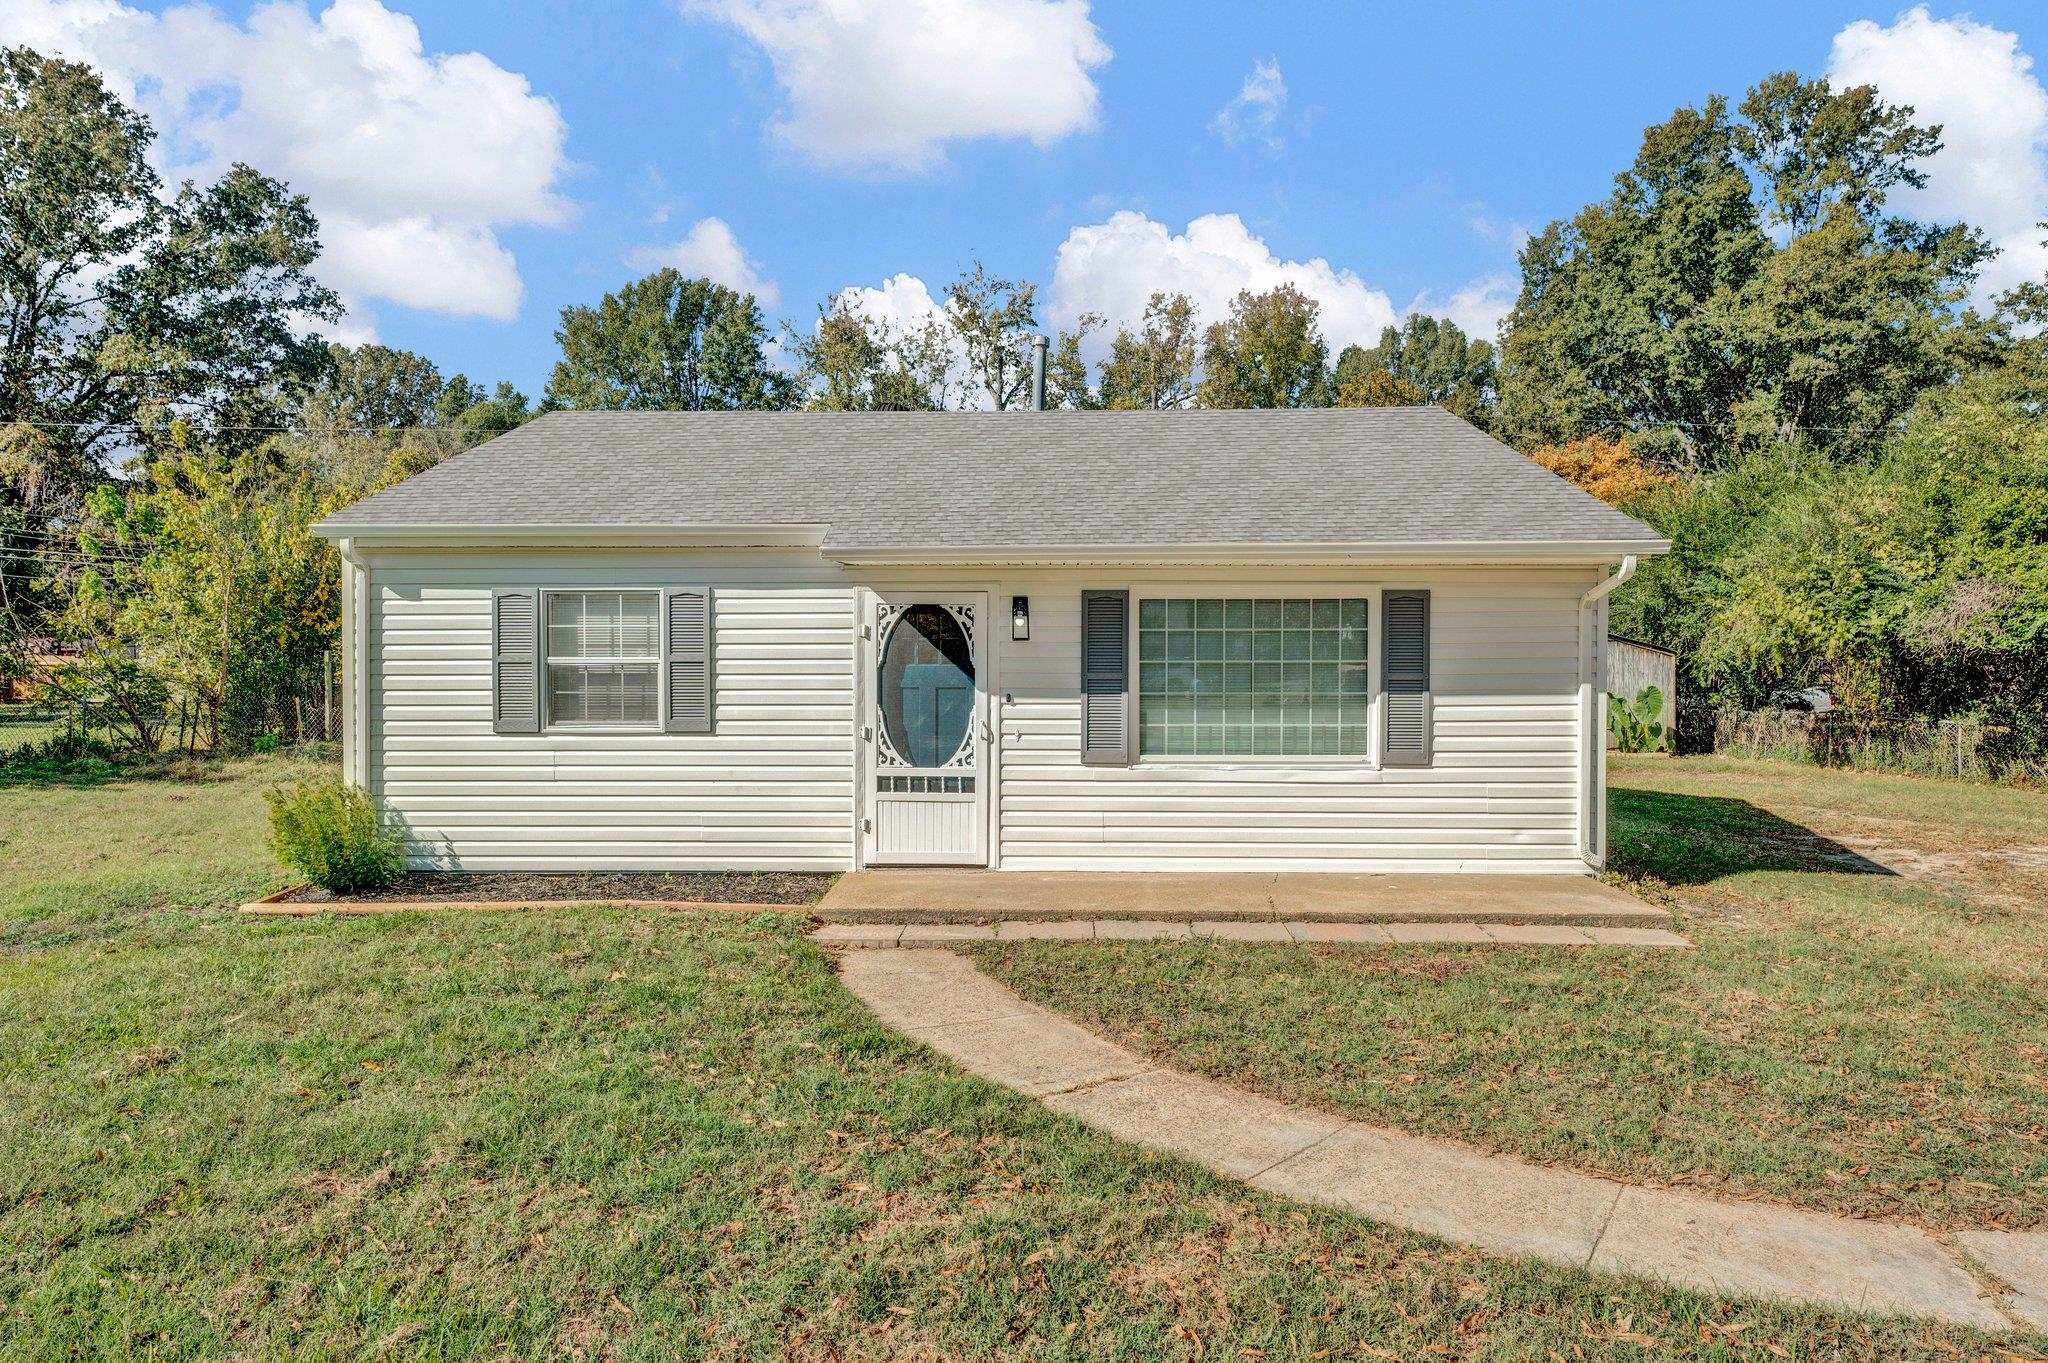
column 1912, row 585
column 334, row 835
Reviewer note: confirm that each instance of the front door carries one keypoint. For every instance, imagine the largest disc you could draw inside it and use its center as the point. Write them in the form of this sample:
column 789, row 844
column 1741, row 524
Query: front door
column 926, row 729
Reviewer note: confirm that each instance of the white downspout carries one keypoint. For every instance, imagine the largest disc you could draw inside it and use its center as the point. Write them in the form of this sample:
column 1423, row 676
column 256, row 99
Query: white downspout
column 1593, row 715
column 355, row 682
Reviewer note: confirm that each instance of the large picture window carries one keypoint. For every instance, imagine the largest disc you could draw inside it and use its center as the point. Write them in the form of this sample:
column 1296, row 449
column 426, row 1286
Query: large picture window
column 604, row 658
column 1244, row 677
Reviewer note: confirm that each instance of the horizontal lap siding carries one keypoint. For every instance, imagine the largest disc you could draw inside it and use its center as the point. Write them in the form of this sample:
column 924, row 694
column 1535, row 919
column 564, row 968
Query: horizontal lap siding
column 771, row 787
column 1500, row 793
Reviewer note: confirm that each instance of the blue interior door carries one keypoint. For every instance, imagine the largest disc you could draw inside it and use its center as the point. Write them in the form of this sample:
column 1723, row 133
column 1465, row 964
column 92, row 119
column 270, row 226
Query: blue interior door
column 937, row 705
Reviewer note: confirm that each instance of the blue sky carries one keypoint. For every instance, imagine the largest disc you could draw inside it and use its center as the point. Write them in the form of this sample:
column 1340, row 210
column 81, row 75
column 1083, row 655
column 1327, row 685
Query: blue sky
column 479, row 165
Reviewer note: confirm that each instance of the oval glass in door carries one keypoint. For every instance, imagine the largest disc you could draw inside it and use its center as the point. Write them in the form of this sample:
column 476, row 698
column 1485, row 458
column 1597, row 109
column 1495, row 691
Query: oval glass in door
column 925, row 690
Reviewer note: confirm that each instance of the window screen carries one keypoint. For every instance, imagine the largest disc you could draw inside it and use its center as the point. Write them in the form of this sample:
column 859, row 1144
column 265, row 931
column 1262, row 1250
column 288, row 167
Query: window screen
column 1241, row 677
column 604, row 658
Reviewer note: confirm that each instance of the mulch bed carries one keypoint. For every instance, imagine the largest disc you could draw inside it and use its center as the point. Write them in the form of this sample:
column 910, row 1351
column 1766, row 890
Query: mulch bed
column 507, row 887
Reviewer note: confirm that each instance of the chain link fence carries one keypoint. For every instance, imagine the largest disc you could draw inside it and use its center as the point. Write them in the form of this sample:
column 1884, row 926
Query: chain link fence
column 1961, row 749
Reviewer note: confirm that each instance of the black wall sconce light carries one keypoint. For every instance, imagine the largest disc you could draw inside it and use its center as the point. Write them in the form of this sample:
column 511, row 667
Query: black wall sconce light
column 1020, row 617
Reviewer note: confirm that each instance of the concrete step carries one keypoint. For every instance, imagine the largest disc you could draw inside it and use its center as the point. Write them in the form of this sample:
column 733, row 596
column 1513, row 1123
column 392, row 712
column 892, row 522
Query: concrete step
column 1289, row 933
column 979, row 896
column 1584, row 915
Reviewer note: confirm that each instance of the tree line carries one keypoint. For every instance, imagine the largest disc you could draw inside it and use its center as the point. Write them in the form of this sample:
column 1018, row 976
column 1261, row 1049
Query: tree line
column 1741, row 343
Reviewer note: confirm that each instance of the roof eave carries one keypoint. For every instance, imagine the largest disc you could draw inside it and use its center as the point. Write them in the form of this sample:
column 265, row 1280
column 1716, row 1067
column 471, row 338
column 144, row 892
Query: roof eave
column 400, row 536
column 1422, row 551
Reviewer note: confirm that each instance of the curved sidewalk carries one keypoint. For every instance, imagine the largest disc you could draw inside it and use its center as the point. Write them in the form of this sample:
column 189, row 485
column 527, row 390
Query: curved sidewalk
column 1993, row 1280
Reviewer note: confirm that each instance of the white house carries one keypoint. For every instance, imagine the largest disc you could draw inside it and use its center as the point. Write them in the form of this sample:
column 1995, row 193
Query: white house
column 1349, row 640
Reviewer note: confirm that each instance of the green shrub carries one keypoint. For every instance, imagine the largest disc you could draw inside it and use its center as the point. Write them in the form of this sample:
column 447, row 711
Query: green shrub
column 1637, row 725
column 332, row 834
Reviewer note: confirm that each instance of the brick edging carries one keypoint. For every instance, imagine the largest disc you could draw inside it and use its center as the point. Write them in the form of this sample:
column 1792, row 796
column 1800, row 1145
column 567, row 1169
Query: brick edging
column 276, row 905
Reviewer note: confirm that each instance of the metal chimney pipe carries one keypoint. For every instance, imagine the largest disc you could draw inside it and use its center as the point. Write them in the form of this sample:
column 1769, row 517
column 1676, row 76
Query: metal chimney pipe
column 1038, row 344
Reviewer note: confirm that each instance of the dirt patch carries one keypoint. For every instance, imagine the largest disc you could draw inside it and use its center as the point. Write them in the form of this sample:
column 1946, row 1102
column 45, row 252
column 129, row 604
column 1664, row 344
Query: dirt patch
column 512, row 887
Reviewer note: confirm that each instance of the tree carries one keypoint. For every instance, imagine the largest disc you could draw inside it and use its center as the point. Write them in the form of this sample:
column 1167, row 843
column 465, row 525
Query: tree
column 1916, row 583
column 1268, row 353
column 1066, row 371
column 1155, row 367
column 1370, row 387
column 1743, row 284
column 1609, row 469
column 128, row 319
column 995, row 323
column 372, row 400
column 666, row 343
column 373, row 387
column 1433, row 359
column 851, row 362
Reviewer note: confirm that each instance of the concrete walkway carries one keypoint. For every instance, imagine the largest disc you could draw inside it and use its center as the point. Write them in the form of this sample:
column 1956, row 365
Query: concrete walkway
column 951, row 895
column 914, row 935
column 1993, row 1280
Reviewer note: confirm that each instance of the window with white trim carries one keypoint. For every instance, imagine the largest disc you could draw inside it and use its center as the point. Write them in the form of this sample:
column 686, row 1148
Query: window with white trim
column 1246, row 677
column 604, row 659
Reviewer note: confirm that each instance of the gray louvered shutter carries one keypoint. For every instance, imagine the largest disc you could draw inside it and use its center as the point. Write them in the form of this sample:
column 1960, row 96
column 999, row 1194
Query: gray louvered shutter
column 1105, row 678
column 515, row 661
column 1404, row 632
column 687, row 625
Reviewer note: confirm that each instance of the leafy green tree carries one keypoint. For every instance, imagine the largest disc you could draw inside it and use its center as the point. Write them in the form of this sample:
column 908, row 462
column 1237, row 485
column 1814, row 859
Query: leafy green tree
column 1268, row 353
column 474, row 415
column 220, row 595
column 128, row 319
column 995, row 322
column 1370, row 387
column 1155, row 366
column 372, row 400
column 1434, row 359
column 1066, row 369
column 1915, row 584
column 851, row 362
column 1743, row 284
column 374, row 387
column 666, row 343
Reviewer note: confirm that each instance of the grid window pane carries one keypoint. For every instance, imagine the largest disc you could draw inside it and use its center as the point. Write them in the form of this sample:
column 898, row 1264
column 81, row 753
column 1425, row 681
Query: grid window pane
column 1237, row 676
column 604, row 652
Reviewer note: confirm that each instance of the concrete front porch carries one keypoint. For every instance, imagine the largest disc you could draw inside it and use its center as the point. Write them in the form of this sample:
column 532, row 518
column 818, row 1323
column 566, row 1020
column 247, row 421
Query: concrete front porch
column 976, row 896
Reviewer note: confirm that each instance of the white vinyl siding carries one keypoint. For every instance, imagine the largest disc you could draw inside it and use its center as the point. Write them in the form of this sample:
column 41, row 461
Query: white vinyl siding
column 772, row 788
column 1499, row 794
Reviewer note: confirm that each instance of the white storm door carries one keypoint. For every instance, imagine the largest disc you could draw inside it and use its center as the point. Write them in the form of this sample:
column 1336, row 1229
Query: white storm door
column 926, row 729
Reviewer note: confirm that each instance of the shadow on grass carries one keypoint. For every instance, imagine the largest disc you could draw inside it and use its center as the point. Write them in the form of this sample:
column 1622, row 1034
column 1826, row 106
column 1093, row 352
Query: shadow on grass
column 1693, row 839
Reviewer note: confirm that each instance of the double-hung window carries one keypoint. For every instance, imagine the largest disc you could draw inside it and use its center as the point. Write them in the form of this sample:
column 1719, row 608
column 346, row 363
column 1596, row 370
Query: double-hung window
column 1245, row 677
column 604, row 659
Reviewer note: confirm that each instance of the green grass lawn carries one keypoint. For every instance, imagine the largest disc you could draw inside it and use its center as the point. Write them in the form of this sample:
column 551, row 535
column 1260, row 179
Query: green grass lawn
column 630, row 1135
column 1855, row 1042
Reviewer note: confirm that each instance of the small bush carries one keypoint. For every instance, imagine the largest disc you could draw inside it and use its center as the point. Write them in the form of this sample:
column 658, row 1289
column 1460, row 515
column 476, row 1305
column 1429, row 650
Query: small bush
column 331, row 833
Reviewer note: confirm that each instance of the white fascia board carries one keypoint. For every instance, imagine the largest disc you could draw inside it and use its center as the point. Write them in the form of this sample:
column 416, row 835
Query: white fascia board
column 575, row 536
column 1434, row 551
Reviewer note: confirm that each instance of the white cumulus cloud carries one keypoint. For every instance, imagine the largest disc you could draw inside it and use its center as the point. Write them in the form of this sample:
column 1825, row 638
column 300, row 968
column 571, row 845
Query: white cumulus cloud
column 1255, row 109
column 1980, row 86
column 886, row 85
column 1478, row 307
column 710, row 249
column 1111, row 268
column 413, row 160
column 903, row 302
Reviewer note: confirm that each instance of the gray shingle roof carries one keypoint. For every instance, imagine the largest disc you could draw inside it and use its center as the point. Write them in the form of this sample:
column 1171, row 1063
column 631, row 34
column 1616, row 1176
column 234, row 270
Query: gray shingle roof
column 1041, row 480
